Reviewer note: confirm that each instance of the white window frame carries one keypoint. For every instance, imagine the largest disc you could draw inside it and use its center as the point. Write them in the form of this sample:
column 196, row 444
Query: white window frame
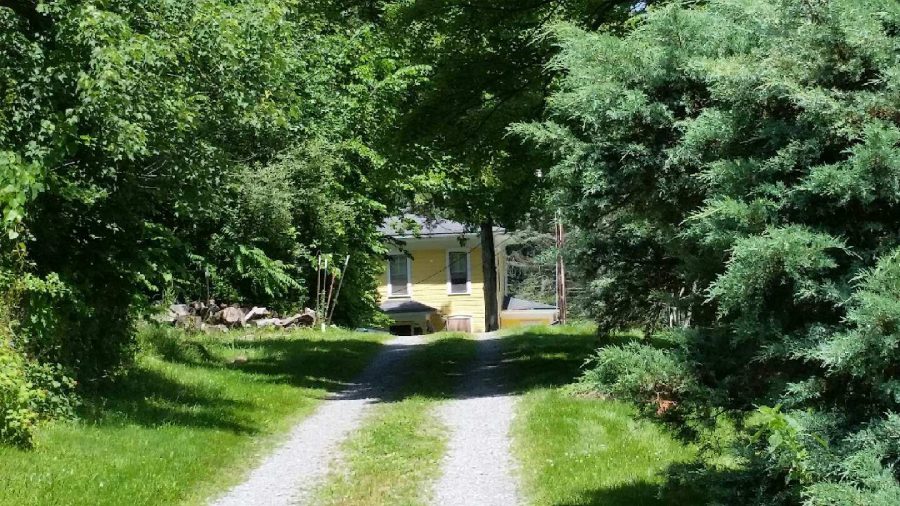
column 468, row 271
column 409, row 283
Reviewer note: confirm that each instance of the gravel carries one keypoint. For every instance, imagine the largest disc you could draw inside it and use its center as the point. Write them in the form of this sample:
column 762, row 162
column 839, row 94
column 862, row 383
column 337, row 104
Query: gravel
column 291, row 473
column 478, row 468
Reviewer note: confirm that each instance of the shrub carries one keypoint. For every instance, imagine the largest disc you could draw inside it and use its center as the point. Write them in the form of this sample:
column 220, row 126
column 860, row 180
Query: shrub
column 17, row 419
column 30, row 392
column 89, row 333
column 640, row 372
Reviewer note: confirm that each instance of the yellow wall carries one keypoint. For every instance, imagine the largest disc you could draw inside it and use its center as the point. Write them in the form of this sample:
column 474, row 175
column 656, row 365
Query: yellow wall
column 508, row 321
column 429, row 286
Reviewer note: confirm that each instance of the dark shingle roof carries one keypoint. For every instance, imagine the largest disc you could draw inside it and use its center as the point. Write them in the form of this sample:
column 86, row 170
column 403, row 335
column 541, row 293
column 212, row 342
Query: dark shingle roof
column 398, row 226
column 514, row 304
column 405, row 306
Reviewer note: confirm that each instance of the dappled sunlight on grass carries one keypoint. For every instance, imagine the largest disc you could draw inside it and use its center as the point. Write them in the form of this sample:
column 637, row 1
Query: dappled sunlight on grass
column 186, row 421
column 578, row 450
column 546, row 356
column 397, row 451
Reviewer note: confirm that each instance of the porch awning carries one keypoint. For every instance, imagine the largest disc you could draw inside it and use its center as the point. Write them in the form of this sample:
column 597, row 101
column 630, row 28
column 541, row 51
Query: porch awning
column 405, row 306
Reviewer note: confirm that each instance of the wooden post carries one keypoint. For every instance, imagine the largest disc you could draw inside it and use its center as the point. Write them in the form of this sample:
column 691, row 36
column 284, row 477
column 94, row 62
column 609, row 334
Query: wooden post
column 318, row 281
column 560, row 270
column 322, row 295
column 338, row 293
column 325, row 311
column 489, row 268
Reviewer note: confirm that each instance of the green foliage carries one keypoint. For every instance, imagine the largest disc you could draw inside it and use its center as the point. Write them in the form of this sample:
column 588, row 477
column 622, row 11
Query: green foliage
column 30, row 392
column 639, row 372
column 481, row 72
column 159, row 150
column 759, row 263
column 783, row 433
column 738, row 159
column 19, row 183
column 86, row 331
column 17, row 419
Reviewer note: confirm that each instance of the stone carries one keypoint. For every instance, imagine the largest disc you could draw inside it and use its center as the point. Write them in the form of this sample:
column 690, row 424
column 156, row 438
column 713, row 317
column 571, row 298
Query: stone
column 266, row 322
column 304, row 319
column 180, row 310
column 232, row 316
column 212, row 312
column 256, row 313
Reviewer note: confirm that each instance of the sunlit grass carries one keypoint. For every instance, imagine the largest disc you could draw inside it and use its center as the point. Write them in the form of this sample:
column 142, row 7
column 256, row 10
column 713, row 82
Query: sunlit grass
column 579, row 450
column 395, row 456
column 186, row 422
column 593, row 452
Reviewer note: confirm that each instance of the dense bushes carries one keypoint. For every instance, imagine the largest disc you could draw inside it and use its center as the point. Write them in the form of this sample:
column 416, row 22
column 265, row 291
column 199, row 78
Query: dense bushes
column 29, row 391
column 152, row 151
column 640, row 372
column 740, row 160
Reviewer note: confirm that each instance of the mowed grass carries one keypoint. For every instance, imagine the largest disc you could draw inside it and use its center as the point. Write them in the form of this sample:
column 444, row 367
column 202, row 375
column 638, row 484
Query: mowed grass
column 186, row 422
column 396, row 454
column 577, row 450
column 594, row 452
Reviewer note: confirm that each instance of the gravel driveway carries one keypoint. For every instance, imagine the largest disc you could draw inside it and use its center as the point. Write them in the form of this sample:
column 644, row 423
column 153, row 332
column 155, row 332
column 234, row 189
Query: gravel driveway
column 291, row 473
column 478, row 468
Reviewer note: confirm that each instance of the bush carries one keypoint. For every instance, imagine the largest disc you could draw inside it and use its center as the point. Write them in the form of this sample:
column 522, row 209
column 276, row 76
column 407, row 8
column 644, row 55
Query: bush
column 636, row 371
column 17, row 419
column 30, row 392
column 89, row 333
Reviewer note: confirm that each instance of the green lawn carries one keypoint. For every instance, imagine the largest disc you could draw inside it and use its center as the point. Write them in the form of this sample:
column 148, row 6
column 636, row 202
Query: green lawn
column 578, row 450
column 195, row 414
column 186, row 422
column 394, row 457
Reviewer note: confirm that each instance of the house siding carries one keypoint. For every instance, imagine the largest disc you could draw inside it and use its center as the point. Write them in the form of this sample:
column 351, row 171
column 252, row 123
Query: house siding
column 429, row 286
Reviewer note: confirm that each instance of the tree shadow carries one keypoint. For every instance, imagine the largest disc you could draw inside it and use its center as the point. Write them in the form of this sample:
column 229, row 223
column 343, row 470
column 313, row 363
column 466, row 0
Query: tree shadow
column 150, row 397
column 460, row 368
column 438, row 369
column 447, row 368
column 318, row 364
column 400, row 371
column 147, row 397
column 640, row 493
column 541, row 359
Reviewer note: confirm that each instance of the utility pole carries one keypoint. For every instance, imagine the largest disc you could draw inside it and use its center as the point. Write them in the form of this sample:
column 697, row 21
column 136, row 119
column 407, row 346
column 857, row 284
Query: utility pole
column 560, row 270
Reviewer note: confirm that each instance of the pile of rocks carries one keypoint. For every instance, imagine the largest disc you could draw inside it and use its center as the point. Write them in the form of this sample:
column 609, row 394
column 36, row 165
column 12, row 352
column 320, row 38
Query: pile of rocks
column 213, row 317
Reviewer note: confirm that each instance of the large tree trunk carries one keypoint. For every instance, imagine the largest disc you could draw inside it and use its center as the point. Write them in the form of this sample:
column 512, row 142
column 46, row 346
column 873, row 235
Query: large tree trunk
column 489, row 267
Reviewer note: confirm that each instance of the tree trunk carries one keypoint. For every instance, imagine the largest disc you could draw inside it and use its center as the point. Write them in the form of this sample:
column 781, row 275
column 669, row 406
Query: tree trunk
column 489, row 267
column 561, row 291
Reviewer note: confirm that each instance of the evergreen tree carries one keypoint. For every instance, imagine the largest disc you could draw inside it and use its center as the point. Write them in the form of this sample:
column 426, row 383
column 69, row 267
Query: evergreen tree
column 740, row 158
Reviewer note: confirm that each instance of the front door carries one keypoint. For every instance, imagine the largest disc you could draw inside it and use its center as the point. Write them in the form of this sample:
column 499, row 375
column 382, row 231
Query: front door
column 459, row 324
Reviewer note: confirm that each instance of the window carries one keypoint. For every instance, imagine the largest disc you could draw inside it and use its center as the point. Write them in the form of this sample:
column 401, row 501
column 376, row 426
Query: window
column 458, row 272
column 398, row 276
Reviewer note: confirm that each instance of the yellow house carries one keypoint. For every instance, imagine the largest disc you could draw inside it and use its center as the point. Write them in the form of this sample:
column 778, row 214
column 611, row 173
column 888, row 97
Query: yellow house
column 433, row 280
